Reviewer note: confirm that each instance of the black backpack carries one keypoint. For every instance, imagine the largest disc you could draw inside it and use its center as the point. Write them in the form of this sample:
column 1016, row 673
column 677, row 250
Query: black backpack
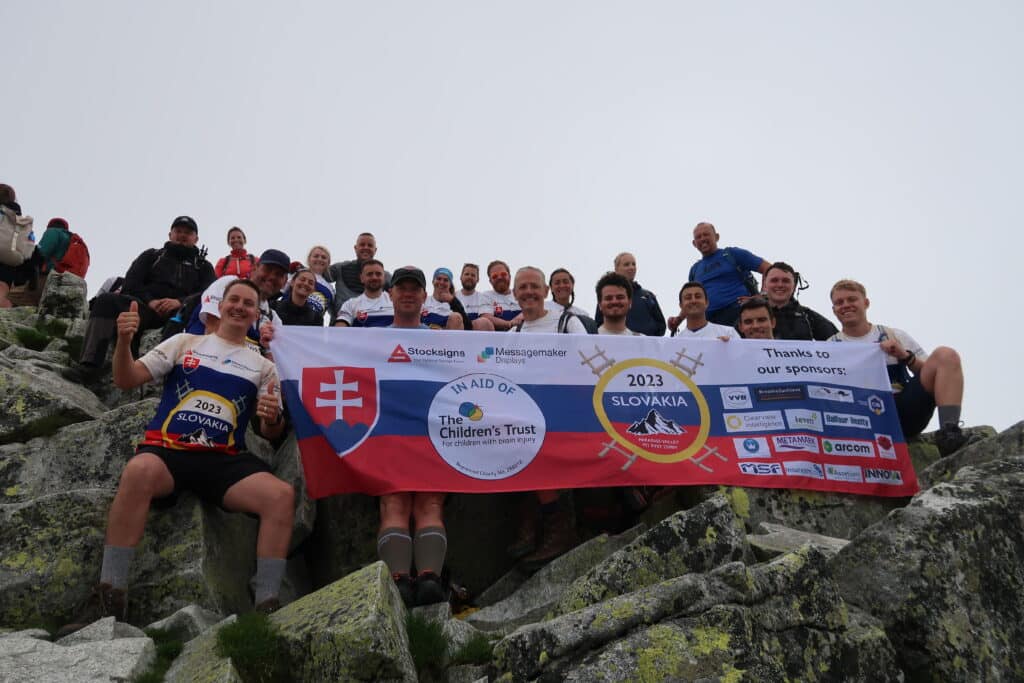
column 563, row 322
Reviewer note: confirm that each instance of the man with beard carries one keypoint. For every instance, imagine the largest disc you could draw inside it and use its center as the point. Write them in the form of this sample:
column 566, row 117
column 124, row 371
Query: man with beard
column 499, row 306
column 269, row 276
column 614, row 296
column 346, row 274
column 373, row 307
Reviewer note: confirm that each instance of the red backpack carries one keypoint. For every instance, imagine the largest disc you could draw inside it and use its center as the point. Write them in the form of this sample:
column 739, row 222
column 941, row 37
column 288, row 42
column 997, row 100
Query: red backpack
column 76, row 258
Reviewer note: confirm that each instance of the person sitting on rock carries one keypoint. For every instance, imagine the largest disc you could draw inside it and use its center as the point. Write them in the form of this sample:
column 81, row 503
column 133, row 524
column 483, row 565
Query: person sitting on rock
column 215, row 385
column 294, row 307
column 395, row 546
column 159, row 279
column 920, row 380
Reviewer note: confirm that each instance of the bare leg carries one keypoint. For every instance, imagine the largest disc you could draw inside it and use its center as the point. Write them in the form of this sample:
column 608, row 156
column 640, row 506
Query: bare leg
column 144, row 478
column 4, row 291
column 273, row 501
column 943, row 376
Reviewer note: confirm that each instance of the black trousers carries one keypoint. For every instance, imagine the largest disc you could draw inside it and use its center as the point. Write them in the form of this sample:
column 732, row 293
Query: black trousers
column 101, row 328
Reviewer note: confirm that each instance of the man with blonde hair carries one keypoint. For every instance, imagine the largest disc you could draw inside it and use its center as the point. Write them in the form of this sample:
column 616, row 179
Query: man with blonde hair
column 920, row 381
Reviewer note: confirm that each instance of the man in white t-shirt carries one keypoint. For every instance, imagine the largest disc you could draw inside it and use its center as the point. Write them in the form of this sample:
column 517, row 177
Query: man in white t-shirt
column 920, row 381
column 557, row 528
column 692, row 320
column 499, row 306
column 373, row 307
column 614, row 298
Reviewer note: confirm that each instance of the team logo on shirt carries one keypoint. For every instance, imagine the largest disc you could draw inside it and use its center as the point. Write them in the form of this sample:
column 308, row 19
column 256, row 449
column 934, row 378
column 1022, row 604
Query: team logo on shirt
column 361, row 316
column 343, row 400
column 190, row 362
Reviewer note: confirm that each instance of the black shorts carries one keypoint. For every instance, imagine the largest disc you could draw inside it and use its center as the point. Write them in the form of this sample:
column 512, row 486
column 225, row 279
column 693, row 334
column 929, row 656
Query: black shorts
column 915, row 407
column 207, row 474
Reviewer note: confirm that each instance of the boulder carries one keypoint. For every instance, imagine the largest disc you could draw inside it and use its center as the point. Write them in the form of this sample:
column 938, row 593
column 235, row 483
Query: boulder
column 538, row 594
column 107, row 628
column 64, row 296
column 29, row 659
column 779, row 620
column 38, row 402
column 15, row 322
column 776, row 540
column 840, row 515
column 85, row 455
column 456, row 631
column 984, row 447
column 694, row 540
column 200, row 663
column 187, row 623
column 945, row 575
column 353, row 629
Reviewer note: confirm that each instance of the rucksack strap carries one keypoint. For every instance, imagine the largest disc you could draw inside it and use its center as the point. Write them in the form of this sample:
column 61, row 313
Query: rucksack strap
column 563, row 321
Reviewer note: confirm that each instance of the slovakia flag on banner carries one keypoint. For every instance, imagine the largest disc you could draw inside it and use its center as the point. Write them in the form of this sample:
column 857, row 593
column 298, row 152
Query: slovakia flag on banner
column 384, row 410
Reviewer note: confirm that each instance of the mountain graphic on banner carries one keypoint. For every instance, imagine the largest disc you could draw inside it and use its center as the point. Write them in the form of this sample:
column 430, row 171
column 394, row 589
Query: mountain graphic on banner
column 654, row 423
column 197, row 437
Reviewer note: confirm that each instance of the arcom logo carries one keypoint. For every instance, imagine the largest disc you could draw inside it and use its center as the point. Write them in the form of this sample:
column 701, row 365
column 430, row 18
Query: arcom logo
column 485, row 355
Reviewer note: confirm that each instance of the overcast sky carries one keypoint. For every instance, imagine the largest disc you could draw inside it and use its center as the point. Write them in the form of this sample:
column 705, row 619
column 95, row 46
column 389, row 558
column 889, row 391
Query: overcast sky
column 881, row 141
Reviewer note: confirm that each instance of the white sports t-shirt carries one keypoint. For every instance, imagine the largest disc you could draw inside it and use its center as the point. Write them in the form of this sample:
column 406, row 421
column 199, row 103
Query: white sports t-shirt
column 502, row 306
column 626, row 332
column 549, row 323
column 880, row 333
column 473, row 303
column 362, row 311
column 709, row 331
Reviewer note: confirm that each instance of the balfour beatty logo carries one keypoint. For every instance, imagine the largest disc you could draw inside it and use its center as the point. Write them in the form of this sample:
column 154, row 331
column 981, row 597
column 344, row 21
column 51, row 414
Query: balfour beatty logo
column 877, row 476
column 847, row 420
column 848, row 447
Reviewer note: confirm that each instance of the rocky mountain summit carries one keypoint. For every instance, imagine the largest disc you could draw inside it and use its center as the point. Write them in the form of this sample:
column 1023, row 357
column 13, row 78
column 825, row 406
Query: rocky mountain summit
column 712, row 584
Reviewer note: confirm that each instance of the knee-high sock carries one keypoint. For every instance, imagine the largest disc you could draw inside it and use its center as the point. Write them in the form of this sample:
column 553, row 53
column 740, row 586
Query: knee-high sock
column 430, row 544
column 394, row 546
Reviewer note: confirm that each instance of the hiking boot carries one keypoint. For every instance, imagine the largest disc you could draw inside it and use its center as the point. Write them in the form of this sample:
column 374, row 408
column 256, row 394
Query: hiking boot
column 268, row 606
column 405, row 588
column 526, row 534
column 949, row 439
column 104, row 601
column 430, row 589
column 558, row 535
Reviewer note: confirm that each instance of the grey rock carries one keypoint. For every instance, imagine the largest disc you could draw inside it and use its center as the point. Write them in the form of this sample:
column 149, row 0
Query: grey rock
column 456, row 631
column 64, row 296
column 37, row 402
column 200, row 663
column 693, row 540
column 41, row 634
column 81, row 456
column 187, row 623
column 353, row 629
column 538, row 594
column 29, row 659
column 778, row 540
column 983, row 448
column 466, row 673
column 839, row 515
column 781, row 619
column 107, row 628
column 286, row 464
column 945, row 575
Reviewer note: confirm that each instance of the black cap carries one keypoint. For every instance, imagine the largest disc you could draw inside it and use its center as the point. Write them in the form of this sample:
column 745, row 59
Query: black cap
column 409, row 273
column 276, row 257
column 185, row 221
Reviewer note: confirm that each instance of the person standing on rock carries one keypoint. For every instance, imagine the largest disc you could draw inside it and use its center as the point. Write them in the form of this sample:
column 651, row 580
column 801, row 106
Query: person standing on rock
column 645, row 314
column 557, row 525
column 215, row 385
column 395, row 546
column 920, row 381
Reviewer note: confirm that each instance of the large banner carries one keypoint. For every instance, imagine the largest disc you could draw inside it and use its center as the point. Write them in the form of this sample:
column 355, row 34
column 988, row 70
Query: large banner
column 384, row 410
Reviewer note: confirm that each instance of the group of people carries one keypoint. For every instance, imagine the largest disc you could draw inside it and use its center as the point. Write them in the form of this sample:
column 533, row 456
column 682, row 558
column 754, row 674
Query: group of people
column 219, row 379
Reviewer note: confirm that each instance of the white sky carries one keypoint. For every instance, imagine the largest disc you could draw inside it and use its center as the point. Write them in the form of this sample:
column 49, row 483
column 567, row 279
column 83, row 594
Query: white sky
column 881, row 141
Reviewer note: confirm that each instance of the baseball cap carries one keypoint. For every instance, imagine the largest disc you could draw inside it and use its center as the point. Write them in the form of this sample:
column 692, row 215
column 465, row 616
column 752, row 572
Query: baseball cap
column 276, row 257
column 58, row 222
column 445, row 272
column 185, row 221
column 409, row 273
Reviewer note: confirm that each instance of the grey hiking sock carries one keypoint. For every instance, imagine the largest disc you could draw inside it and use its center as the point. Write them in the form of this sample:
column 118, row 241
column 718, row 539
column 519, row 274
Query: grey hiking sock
column 117, row 560
column 949, row 415
column 431, row 544
column 267, row 582
column 394, row 546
